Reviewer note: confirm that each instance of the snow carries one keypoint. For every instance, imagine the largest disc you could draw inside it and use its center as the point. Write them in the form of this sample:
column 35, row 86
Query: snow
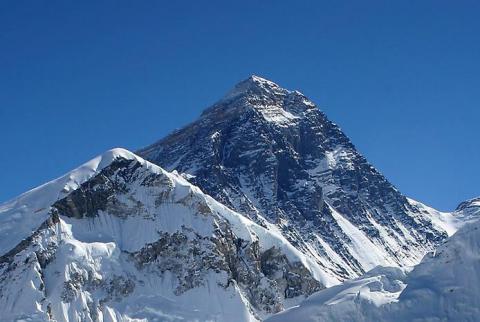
column 335, row 158
column 379, row 287
column 258, row 86
column 153, row 299
column 98, row 247
column 23, row 215
column 277, row 115
column 361, row 243
column 270, row 237
column 443, row 287
column 450, row 222
column 253, row 82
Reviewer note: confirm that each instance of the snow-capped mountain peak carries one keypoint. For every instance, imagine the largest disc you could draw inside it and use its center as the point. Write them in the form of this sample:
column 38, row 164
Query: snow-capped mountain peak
column 255, row 85
column 241, row 214
column 271, row 154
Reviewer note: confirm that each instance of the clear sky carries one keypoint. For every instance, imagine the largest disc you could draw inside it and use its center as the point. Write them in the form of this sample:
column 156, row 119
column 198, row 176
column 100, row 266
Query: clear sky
column 401, row 78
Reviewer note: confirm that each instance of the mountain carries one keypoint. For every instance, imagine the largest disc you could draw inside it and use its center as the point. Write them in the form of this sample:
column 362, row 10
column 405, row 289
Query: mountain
column 120, row 239
column 272, row 155
column 443, row 287
column 242, row 214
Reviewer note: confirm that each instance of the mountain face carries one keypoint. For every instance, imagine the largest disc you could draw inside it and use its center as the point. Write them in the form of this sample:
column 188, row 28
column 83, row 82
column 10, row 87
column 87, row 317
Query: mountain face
column 443, row 287
column 272, row 155
column 120, row 239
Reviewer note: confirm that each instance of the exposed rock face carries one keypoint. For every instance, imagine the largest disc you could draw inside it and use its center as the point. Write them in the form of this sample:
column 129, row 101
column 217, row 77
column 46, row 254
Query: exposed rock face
column 272, row 155
column 132, row 226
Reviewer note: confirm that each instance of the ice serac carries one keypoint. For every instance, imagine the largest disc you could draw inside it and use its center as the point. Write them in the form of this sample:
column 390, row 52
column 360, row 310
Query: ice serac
column 271, row 154
column 443, row 287
column 120, row 239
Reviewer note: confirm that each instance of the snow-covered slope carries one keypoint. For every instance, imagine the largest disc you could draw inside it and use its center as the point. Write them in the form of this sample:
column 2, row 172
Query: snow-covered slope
column 120, row 239
column 271, row 154
column 443, row 287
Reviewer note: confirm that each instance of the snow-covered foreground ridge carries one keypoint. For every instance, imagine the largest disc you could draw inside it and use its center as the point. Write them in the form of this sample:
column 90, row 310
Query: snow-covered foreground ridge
column 120, row 239
column 443, row 287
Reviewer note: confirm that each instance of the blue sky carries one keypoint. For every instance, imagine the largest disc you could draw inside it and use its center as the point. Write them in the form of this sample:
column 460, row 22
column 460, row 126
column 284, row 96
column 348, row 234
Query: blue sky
column 400, row 77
